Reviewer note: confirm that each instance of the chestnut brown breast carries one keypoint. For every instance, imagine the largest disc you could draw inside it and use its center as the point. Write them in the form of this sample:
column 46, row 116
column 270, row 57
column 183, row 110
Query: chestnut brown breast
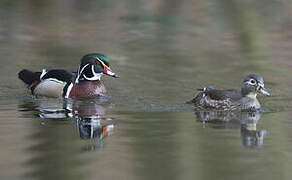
column 88, row 89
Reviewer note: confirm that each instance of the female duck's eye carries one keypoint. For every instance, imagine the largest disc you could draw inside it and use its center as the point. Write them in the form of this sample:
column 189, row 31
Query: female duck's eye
column 253, row 82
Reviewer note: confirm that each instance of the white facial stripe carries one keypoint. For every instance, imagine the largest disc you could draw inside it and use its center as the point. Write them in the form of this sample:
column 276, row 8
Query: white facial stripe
column 261, row 84
column 251, row 82
column 104, row 65
column 109, row 72
column 79, row 72
column 96, row 76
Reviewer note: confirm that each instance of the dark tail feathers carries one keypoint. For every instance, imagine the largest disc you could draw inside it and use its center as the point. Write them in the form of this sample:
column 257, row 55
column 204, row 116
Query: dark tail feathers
column 28, row 77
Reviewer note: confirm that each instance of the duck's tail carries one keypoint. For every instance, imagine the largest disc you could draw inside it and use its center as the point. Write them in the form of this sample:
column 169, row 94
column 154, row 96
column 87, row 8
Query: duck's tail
column 28, row 77
column 31, row 79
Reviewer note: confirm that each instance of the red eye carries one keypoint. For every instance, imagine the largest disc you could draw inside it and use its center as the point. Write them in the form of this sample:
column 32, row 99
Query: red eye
column 97, row 63
column 105, row 70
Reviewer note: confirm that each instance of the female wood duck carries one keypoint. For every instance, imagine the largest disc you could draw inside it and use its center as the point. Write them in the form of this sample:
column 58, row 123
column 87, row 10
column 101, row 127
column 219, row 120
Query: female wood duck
column 244, row 99
column 61, row 83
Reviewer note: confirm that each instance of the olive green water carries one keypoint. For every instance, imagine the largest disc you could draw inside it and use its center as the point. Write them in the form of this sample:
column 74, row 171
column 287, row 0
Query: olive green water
column 163, row 51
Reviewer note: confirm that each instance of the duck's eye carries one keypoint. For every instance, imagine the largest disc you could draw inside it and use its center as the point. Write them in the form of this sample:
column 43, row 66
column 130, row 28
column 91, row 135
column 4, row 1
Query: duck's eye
column 252, row 82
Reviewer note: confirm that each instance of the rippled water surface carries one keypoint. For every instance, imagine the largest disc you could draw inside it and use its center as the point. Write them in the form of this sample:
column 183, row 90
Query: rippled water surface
column 163, row 51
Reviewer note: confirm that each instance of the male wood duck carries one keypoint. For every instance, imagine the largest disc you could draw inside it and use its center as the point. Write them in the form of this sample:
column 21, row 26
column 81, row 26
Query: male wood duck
column 244, row 99
column 61, row 83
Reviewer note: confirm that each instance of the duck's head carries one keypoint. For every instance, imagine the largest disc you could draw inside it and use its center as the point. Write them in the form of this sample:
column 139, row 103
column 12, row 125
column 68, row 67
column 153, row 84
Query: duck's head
column 253, row 85
column 93, row 66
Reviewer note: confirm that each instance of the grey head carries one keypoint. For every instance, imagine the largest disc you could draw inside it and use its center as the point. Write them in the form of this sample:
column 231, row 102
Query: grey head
column 252, row 85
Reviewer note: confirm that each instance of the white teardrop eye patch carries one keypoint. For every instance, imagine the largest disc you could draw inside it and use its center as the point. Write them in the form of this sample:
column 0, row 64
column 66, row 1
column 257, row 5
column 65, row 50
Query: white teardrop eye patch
column 252, row 82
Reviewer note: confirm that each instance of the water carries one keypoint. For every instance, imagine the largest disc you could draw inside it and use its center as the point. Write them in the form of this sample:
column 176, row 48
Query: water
column 163, row 51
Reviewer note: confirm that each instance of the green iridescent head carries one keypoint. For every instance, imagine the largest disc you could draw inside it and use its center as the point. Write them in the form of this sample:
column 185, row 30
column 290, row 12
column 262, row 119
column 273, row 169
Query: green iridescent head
column 92, row 57
column 93, row 66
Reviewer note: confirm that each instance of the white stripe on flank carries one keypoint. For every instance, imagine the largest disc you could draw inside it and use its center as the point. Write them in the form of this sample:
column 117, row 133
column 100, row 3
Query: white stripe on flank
column 69, row 90
column 55, row 80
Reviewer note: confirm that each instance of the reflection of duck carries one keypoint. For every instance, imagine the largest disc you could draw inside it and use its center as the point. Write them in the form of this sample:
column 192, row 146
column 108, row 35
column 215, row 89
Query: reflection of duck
column 61, row 83
column 246, row 121
column 91, row 127
column 244, row 99
column 91, row 122
column 251, row 137
column 228, row 116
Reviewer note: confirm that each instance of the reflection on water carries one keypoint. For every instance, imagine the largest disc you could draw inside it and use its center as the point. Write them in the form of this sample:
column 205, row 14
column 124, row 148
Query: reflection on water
column 163, row 50
column 91, row 128
column 251, row 136
column 89, row 116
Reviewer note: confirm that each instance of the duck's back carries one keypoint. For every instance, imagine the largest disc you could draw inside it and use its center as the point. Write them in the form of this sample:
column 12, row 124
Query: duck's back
column 211, row 98
column 217, row 94
column 46, row 83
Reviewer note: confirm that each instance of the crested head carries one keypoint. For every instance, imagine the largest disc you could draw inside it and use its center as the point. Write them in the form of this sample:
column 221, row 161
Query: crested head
column 93, row 57
column 252, row 85
column 93, row 66
column 255, row 77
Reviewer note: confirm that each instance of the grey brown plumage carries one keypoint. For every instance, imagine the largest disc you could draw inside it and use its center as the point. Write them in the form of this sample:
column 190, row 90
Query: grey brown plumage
column 244, row 99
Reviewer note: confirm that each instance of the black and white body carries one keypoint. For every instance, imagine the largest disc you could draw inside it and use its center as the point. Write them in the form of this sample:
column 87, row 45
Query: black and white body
column 86, row 82
column 50, row 83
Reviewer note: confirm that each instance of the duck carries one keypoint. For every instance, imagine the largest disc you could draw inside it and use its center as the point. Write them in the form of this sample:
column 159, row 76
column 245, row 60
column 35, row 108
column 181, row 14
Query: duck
column 60, row 83
column 244, row 99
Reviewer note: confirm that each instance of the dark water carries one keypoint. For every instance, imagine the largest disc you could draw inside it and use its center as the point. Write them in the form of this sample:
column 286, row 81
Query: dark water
column 163, row 51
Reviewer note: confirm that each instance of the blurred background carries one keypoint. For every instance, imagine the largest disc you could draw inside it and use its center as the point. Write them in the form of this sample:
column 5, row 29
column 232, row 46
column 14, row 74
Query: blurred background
column 163, row 50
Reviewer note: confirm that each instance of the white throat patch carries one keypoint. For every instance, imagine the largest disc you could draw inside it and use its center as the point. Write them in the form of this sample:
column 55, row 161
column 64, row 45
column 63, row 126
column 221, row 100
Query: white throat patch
column 96, row 76
column 252, row 95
